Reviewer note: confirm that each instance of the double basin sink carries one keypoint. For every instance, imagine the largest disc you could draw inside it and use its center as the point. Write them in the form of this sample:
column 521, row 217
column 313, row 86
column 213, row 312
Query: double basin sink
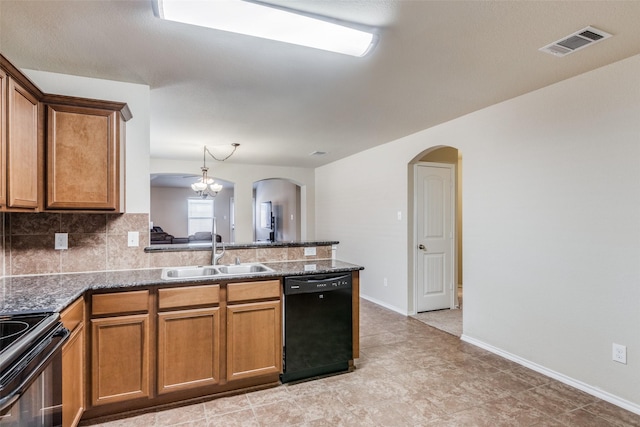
column 173, row 273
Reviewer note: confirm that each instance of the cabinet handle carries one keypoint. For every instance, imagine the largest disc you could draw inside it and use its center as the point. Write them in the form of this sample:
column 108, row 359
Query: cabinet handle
column 421, row 246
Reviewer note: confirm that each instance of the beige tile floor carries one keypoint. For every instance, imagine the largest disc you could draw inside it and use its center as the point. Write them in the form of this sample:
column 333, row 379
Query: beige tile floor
column 409, row 374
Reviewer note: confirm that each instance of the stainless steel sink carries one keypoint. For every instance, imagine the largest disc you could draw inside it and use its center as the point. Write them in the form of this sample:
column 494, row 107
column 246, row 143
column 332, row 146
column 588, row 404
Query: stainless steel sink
column 174, row 273
column 187, row 272
column 243, row 269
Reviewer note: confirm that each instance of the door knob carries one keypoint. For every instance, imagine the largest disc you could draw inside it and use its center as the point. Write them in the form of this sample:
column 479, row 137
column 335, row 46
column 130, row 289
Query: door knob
column 421, row 246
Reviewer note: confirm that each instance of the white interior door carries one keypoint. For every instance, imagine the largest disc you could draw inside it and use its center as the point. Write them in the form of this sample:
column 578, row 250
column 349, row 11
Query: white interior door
column 434, row 236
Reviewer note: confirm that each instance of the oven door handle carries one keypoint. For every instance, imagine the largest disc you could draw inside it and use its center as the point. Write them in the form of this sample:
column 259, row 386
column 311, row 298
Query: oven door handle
column 18, row 379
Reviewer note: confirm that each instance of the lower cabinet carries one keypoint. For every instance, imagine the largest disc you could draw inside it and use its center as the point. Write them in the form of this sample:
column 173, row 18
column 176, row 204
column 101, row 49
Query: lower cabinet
column 120, row 358
column 254, row 346
column 73, row 378
column 254, row 329
column 120, row 347
column 188, row 338
column 73, row 366
column 157, row 346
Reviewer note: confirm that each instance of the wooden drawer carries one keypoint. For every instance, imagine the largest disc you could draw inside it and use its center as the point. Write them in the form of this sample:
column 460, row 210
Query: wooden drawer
column 247, row 291
column 73, row 315
column 188, row 296
column 120, row 302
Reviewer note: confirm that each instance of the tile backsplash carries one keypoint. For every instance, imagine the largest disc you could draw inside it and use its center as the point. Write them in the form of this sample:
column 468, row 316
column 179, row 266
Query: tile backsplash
column 99, row 242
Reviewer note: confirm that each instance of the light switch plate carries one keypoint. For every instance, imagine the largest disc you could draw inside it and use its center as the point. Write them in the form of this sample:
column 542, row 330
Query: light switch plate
column 133, row 239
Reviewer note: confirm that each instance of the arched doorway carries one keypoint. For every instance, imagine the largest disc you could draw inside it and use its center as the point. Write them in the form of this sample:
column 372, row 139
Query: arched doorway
column 280, row 200
column 449, row 158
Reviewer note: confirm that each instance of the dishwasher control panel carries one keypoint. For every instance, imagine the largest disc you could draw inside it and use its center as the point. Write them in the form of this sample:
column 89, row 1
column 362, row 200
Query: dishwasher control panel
column 316, row 283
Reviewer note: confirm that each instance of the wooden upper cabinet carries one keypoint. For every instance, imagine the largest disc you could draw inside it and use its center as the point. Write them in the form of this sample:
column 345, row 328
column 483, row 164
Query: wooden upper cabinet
column 20, row 147
column 83, row 158
column 82, row 167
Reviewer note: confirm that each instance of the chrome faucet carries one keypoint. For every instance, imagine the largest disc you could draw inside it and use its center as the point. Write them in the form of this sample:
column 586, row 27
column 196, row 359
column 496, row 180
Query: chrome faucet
column 215, row 256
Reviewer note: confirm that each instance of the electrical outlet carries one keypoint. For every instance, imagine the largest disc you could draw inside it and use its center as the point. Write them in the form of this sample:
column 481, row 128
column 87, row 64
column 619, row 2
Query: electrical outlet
column 385, row 282
column 62, row 241
column 133, row 238
column 619, row 353
column 310, row 251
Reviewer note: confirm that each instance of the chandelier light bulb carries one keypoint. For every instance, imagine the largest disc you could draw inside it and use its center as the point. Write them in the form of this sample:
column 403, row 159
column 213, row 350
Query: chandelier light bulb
column 198, row 186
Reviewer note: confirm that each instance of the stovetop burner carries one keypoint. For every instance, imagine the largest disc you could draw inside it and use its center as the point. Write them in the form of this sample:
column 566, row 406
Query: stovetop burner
column 18, row 331
column 10, row 328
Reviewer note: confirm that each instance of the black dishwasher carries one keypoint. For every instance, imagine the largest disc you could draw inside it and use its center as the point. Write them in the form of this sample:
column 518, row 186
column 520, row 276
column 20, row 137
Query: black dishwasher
column 317, row 325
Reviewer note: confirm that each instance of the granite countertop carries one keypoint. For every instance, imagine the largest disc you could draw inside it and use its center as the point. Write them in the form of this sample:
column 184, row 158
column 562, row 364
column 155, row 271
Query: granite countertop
column 206, row 246
column 54, row 292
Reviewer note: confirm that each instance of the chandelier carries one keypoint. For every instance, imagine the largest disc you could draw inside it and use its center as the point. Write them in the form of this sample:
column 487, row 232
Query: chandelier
column 205, row 186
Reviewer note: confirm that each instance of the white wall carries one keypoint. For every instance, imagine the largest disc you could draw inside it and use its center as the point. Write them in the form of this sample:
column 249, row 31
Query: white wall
column 243, row 177
column 169, row 209
column 551, row 219
column 137, row 98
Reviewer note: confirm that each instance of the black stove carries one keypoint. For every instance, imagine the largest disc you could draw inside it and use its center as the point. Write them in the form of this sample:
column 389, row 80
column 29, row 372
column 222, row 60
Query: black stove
column 30, row 345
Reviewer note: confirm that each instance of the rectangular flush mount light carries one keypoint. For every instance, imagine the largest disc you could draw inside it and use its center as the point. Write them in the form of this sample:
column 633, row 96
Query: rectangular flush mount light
column 260, row 20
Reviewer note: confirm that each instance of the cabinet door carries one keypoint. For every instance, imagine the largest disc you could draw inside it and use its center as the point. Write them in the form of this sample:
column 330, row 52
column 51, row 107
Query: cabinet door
column 188, row 349
column 3, row 138
column 22, row 147
column 254, row 339
column 119, row 358
column 82, row 158
column 73, row 378
column 73, row 364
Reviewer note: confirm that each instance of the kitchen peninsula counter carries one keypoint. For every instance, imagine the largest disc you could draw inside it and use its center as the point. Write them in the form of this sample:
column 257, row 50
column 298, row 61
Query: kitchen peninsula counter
column 54, row 292
column 204, row 246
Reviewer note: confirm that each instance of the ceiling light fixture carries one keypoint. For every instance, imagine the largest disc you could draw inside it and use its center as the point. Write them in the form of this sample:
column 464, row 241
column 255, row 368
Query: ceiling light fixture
column 263, row 20
column 206, row 187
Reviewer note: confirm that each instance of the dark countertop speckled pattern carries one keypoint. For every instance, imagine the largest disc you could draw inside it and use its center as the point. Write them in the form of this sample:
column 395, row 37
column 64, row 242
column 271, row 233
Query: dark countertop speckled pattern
column 54, row 292
column 254, row 245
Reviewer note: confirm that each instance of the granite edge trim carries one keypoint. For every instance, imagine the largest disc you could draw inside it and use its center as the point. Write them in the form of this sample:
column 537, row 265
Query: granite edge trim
column 186, row 247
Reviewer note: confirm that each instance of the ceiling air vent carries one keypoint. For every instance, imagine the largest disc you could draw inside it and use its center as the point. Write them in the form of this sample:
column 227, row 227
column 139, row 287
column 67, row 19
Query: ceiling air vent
column 576, row 41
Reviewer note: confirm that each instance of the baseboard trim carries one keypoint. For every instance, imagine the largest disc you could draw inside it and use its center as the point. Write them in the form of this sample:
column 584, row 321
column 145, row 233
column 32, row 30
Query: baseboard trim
column 601, row 394
column 383, row 304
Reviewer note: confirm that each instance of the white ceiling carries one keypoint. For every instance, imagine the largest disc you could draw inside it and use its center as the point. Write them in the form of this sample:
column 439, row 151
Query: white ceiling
column 435, row 61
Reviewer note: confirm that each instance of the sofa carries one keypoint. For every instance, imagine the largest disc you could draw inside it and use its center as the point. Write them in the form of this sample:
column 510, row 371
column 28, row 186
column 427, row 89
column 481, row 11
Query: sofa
column 159, row 237
column 203, row 236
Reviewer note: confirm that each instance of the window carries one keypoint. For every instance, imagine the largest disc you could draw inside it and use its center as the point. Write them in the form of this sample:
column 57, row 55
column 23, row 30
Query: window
column 200, row 215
